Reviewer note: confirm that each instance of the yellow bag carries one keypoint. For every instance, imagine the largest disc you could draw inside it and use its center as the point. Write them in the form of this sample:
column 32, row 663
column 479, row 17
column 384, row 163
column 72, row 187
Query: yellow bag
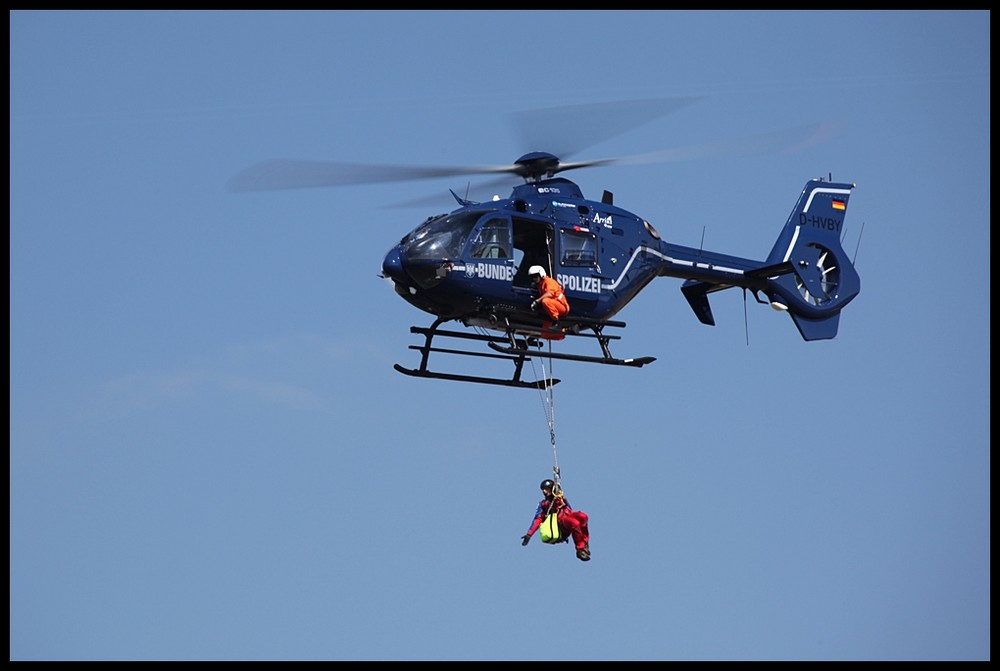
column 550, row 529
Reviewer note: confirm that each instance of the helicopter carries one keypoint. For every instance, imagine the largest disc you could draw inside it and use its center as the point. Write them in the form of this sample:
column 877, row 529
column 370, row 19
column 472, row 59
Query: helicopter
column 471, row 265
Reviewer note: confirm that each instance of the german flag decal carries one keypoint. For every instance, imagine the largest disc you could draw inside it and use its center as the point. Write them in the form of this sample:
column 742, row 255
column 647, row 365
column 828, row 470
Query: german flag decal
column 839, row 205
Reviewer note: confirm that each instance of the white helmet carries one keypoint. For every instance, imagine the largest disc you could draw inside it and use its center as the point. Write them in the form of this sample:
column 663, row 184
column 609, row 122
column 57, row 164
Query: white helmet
column 536, row 270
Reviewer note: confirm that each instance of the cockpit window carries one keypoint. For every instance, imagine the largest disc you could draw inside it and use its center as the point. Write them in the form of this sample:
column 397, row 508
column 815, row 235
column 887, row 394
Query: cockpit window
column 579, row 248
column 441, row 238
column 493, row 241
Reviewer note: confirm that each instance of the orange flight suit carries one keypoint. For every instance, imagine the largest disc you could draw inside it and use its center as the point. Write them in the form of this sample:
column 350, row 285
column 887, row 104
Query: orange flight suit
column 550, row 295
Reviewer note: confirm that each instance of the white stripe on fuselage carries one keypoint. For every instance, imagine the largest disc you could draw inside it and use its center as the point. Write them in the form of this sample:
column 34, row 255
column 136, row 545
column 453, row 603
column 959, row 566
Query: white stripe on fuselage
column 649, row 250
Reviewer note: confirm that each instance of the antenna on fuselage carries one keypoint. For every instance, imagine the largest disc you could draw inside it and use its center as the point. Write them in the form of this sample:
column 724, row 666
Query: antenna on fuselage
column 854, row 260
column 746, row 322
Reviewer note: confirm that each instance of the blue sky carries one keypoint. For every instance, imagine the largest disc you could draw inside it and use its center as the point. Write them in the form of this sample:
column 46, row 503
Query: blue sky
column 212, row 458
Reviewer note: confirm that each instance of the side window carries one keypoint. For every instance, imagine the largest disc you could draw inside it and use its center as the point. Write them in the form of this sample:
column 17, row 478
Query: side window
column 578, row 248
column 493, row 241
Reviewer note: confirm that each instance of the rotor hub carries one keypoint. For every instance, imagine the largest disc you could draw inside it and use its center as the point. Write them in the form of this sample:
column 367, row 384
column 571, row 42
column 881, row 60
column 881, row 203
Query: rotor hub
column 537, row 165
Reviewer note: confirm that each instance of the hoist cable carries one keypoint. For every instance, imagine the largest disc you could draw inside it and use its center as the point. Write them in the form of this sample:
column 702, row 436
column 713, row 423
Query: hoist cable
column 548, row 409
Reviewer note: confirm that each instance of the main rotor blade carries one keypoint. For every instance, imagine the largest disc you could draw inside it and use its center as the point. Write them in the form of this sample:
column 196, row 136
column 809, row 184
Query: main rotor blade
column 560, row 128
column 279, row 174
column 300, row 174
column 785, row 141
column 569, row 129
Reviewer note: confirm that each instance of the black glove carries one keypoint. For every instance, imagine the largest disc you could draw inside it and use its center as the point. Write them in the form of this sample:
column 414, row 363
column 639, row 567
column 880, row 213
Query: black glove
column 524, row 539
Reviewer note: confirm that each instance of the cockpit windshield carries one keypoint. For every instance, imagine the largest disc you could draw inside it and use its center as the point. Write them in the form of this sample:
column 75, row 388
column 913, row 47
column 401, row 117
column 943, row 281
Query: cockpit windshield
column 440, row 238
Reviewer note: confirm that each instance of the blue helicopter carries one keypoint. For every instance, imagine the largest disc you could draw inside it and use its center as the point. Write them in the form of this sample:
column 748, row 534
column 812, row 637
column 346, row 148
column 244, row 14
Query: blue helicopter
column 470, row 266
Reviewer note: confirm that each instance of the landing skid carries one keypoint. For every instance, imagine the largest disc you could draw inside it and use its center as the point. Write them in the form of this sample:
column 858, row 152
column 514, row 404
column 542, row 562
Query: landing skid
column 518, row 358
column 538, row 384
column 572, row 328
column 520, row 343
column 635, row 363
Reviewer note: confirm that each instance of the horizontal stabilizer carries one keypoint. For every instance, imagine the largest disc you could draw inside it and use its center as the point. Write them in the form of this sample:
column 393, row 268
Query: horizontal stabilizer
column 772, row 270
column 817, row 329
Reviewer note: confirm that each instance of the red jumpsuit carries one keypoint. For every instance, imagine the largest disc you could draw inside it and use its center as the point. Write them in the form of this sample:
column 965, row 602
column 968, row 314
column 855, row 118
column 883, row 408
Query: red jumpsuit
column 574, row 521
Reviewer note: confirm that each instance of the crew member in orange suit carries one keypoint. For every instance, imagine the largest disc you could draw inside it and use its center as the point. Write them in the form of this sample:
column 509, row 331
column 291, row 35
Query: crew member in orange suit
column 550, row 297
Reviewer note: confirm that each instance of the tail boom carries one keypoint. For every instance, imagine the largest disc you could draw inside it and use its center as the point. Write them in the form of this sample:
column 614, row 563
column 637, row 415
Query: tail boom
column 808, row 273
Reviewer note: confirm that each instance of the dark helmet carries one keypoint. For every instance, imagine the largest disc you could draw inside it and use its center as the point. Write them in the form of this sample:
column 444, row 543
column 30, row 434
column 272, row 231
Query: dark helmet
column 548, row 484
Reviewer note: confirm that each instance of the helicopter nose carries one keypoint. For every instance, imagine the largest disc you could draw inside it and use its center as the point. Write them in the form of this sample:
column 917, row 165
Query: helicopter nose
column 392, row 266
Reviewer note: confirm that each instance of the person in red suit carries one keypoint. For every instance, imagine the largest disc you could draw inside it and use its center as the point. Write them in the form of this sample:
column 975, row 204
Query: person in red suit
column 573, row 521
